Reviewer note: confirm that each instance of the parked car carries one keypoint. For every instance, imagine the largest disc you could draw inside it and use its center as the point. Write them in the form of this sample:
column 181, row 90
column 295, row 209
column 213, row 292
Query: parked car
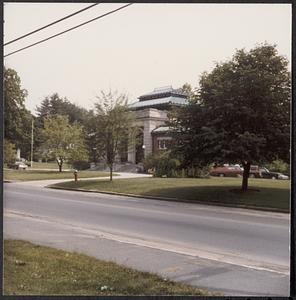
column 265, row 173
column 18, row 165
column 227, row 171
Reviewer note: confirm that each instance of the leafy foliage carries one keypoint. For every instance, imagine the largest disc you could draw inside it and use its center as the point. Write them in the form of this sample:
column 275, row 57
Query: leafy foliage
column 81, row 165
column 112, row 125
column 63, row 141
column 189, row 92
column 162, row 164
column 280, row 166
column 242, row 113
column 56, row 105
column 9, row 152
column 17, row 119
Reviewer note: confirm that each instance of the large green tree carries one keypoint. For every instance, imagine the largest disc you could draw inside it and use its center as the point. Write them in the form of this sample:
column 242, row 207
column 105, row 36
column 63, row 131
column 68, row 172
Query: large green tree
column 56, row 105
column 113, row 125
column 62, row 140
column 241, row 113
column 17, row 119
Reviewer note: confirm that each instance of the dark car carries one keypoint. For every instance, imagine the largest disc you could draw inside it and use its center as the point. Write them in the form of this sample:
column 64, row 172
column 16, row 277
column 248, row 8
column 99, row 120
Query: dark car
column 265, row 173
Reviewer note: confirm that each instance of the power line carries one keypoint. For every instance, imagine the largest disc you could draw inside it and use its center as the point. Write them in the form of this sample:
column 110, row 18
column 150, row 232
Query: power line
column 55, row 22
column 72, row 28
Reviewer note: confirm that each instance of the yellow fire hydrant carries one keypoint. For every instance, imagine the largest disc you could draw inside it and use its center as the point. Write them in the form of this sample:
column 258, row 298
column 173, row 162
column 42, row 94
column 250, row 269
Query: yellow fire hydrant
column 75, row 175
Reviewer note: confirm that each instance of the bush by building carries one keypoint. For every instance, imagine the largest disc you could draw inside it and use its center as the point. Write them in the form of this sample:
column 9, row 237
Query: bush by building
column 163, row 164
column 280, row 166
column 81, row 165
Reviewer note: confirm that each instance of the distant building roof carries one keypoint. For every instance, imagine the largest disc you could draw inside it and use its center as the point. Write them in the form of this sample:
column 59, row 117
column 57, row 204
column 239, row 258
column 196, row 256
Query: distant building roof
column 162, row 92
column 158, row 102
column 160, row 97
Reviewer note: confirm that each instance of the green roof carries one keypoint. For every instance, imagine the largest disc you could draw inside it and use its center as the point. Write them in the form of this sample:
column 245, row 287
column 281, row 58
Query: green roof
column 161, row 129
column 159, row 102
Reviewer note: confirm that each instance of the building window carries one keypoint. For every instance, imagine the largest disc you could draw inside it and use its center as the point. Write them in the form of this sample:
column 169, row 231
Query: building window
column 162, row 144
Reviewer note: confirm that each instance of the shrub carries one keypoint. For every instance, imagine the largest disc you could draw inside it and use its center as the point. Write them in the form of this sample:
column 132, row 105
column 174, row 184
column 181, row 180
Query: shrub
column 279, row 166
column 198, row 172
column 149, row 162
column 81, row 165
column 9, row 152
column 162, row 164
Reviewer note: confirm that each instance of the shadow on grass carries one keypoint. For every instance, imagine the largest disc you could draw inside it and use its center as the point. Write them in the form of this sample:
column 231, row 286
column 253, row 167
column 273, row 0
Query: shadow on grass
column 261, row 197
column 230, row 194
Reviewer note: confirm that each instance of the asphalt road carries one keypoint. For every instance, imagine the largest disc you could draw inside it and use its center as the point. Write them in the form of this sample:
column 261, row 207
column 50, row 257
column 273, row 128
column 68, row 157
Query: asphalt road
column 236, row 251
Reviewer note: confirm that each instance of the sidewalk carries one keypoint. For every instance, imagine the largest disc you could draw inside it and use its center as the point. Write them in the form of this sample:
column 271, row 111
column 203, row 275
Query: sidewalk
column 44, row 183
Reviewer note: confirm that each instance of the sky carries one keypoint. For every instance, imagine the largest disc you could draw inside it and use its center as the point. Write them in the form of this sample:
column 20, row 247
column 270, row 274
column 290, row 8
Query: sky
column 134, row 50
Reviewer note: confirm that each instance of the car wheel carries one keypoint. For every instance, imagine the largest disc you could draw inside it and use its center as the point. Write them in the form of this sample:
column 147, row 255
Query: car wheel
column 273, row 178
column 252, row 176
column 221, row 175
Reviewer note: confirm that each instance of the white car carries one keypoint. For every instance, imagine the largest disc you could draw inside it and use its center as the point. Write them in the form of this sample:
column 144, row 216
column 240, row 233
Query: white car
column 282, row 176
column 19, row 165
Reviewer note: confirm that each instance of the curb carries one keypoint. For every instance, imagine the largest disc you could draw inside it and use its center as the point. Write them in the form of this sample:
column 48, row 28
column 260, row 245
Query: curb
column 171, row 199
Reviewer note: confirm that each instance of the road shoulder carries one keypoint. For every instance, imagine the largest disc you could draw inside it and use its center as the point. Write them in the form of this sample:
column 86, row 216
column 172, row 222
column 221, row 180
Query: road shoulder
column 229, row 279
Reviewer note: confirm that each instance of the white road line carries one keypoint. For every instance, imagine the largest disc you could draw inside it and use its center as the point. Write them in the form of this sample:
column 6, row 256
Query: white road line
column 224, row 257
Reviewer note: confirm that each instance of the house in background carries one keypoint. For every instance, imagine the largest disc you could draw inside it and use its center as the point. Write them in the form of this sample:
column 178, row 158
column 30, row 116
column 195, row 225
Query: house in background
column 151, row 115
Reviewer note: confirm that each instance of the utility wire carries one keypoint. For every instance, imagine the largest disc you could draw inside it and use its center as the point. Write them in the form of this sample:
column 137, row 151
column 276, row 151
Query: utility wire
column 55, row 22
column 72, row 28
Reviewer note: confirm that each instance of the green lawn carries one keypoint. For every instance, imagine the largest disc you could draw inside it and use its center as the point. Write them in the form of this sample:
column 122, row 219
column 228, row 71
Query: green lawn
column 35, row 270
column 26, row 175
column 264, row 193
column 49, row 165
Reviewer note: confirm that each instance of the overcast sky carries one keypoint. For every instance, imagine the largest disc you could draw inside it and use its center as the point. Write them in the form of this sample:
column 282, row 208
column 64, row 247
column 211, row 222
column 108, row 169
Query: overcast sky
column 136, row 49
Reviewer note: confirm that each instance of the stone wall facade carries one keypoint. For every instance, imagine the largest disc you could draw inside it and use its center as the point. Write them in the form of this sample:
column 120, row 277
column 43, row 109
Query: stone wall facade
column 148, row 119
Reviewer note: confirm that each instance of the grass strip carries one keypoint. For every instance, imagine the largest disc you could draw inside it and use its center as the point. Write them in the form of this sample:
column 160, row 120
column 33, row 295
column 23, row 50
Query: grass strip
column 49, row 165
column 28, row 175
column 36, row 270
column 263, row 193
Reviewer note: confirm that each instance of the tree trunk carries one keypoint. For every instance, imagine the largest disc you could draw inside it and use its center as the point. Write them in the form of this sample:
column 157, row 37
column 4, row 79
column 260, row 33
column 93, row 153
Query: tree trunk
column 111, row 172
column 247, row 166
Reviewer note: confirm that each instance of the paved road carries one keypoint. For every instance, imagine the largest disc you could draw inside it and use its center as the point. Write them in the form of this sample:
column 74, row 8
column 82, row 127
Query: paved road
column 206, row 246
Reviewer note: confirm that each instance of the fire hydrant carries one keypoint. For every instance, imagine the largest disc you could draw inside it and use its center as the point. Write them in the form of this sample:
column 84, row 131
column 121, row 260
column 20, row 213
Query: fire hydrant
column 75, row 175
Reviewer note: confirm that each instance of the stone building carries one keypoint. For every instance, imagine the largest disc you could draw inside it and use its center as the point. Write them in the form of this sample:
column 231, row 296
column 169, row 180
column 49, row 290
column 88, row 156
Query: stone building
column 151, row 115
